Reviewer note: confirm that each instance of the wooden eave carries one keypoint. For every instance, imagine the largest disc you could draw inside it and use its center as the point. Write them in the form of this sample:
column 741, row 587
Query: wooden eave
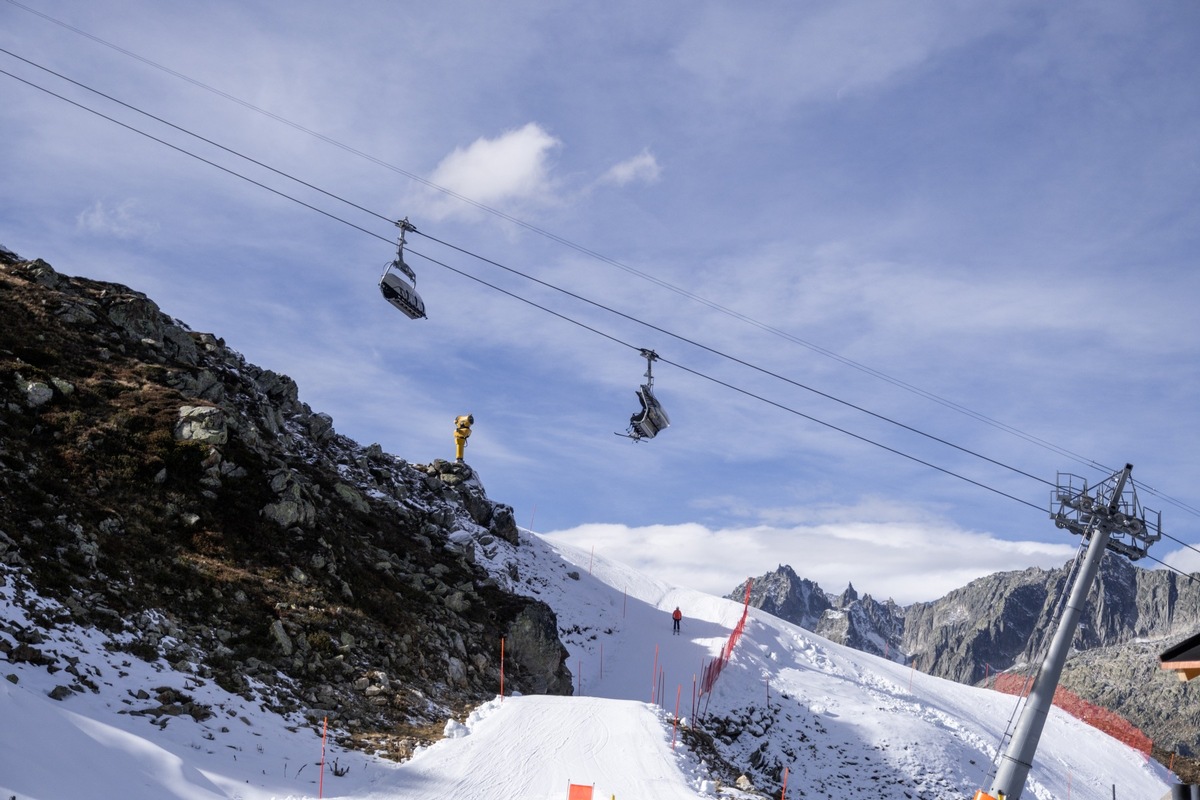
column 1183, row 659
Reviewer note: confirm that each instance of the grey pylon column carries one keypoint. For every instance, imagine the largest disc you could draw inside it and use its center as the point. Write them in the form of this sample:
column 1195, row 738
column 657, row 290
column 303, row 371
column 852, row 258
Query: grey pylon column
column 1018, row 758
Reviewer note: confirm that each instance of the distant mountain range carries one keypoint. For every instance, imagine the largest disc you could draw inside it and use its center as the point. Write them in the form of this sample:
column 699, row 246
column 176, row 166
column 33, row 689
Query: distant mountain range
column 1002, row 622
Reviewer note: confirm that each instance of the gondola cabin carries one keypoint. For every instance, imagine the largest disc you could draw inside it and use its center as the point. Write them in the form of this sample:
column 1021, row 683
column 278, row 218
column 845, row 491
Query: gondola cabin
column 396, row 290
column 403, row 296
column 652, row 418
column 646, row 423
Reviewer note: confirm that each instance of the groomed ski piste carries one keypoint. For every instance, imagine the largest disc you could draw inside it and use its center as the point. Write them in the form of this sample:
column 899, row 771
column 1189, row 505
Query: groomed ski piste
column 843, row 723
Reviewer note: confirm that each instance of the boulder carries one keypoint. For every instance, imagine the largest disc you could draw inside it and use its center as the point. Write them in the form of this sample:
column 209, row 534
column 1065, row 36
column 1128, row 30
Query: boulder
column 202, row 424
column 36, row 393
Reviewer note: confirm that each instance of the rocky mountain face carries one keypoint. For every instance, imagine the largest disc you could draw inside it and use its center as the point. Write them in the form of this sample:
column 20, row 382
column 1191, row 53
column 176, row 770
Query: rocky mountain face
column 1004, row 622
column 163, row 488
column 859, row 622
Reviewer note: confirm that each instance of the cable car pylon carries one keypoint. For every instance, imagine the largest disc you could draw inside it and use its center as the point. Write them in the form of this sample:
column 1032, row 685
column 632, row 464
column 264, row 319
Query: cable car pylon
column 1111, row 517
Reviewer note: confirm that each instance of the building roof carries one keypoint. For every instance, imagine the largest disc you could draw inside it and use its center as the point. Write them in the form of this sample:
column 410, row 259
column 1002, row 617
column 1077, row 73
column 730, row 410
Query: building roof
column 1183, row 658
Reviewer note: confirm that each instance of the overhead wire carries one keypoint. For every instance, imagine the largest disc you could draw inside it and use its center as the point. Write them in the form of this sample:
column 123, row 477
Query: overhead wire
column 1040, row 442
column 737, row 360
column 183, row 130
column 1190, row 576
column 1179, row 541
column 492, row 262
column 738, row 389
column 594, row 254
column 831, row 426
column 542, row 307
column 177, row 148
column 526, row 276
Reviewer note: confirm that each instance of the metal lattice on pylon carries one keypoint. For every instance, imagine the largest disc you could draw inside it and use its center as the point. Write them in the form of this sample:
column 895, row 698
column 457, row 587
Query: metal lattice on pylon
column 1080, row 510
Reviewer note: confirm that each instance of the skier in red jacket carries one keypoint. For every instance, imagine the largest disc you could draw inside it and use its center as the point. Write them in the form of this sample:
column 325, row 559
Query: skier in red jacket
column 676, row 615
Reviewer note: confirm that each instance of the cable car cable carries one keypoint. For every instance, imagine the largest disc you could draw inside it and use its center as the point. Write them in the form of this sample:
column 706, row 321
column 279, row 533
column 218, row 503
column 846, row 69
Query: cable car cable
column 737, row 360
column 551, row 286
column 744, row 318
column 728, row 385
column 486, row 260
column 1193, row 548
column 1190, row 576
column 599, row 256
column 194, row 155
column 831, row 426
column 195, row 135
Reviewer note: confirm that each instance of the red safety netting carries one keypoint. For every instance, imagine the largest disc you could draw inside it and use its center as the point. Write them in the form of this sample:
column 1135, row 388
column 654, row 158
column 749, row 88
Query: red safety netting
column 712, row 670
column 1110, row 722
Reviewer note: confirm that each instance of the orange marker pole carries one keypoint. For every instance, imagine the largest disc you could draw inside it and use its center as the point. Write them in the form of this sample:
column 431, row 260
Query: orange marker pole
column 501, row 669
column 783, row 794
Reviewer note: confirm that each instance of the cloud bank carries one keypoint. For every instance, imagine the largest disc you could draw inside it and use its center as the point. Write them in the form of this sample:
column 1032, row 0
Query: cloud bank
column 908, row 561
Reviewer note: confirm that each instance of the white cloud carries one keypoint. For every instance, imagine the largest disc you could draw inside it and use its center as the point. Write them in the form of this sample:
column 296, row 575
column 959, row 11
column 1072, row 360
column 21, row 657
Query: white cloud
column 1184, row 559
column 125, row 220
column 513, row 168
column 908, row 561
column 643, row 167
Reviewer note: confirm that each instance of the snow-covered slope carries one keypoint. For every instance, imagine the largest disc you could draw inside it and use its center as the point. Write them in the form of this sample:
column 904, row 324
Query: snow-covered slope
column 844, row 724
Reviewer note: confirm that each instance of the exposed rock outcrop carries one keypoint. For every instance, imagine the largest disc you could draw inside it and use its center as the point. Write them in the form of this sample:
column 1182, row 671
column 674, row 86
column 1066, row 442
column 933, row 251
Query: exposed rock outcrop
column 157, row 484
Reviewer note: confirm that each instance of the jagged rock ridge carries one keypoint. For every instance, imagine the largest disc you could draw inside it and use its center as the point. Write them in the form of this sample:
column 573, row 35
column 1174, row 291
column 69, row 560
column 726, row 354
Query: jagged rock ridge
column 1003, row 621
column 156, row 483
column 862, row 623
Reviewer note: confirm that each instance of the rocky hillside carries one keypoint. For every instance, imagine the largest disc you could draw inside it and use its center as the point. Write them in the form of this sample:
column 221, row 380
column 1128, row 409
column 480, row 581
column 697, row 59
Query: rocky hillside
column 1003, row 621
column 162, row 487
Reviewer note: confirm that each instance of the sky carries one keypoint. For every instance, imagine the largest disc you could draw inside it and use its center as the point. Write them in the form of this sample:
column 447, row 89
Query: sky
column 902, row 264
column 842, row 723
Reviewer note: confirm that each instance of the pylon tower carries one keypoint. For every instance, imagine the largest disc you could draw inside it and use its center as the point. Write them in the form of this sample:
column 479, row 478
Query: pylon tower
column 1110, row 516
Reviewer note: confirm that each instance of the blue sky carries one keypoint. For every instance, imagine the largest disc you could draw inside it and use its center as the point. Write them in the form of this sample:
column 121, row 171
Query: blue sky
column 996, row 205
